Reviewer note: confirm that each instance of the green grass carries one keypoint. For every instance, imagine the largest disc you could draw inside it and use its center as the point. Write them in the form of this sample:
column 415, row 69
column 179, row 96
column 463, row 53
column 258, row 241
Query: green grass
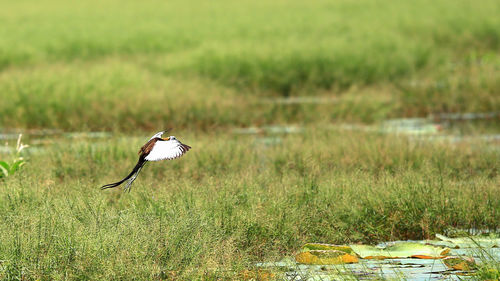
column 205, row 68
column 118, row 65
column 232, row 201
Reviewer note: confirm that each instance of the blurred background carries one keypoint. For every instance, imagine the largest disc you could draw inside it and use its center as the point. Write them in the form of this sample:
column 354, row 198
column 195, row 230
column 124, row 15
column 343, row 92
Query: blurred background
column 140, row 66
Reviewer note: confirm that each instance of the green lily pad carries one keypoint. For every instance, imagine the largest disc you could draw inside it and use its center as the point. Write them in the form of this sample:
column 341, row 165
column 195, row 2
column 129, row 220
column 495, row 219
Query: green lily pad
column 322, row 246
column 439, row 243
column 460, row 263
column 325, row 257
column 400, row 250
column 472, row 241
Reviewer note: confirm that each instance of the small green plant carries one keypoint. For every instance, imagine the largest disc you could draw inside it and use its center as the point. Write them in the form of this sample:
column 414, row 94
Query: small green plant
column 7, row 169
column 488, row 272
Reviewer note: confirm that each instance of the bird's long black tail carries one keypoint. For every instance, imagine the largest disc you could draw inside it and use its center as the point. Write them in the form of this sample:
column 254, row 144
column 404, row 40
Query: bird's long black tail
column 131, row 176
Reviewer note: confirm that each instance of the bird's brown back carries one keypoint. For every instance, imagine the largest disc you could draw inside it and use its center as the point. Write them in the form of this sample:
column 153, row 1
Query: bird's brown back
column 146, row 149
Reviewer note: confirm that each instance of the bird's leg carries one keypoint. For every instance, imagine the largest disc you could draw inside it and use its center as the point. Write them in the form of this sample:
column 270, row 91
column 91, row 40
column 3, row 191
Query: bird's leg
column 131, row 180
column 129, row 183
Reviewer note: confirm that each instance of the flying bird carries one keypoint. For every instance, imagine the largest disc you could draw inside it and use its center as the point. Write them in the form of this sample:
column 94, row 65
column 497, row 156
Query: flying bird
column 156, row 149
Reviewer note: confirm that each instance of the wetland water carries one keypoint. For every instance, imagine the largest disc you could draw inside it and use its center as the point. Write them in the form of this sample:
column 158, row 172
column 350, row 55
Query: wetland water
column 481, row 251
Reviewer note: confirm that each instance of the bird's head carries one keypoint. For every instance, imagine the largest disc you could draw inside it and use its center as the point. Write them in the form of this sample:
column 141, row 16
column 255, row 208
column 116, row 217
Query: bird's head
column 169, row 138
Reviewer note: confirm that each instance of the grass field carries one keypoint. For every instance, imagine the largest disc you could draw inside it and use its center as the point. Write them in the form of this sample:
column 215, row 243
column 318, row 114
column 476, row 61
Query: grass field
column 120, row 65
column 232, row 201
column 205, row 68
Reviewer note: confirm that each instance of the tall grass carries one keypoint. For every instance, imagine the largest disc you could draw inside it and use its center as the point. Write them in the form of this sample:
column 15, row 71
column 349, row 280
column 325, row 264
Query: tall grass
column 118, row 65
column 117, row 95
column 232, row 201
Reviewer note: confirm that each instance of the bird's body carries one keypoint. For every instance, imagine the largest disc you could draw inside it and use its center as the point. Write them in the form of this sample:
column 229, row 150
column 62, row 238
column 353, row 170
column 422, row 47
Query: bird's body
column 156, row 149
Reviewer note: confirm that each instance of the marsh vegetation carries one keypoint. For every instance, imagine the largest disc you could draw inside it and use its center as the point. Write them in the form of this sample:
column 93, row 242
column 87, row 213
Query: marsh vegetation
column 131, row 69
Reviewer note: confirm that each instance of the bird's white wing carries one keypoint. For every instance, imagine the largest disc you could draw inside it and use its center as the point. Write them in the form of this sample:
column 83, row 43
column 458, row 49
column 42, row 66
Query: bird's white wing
column 157, row 135
column 167, row 150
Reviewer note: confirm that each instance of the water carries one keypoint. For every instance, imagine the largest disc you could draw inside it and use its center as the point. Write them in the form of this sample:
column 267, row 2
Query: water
column 399, row 268
column 38, row 139
column 287, row 129
column 410, row 269
column 302, row 100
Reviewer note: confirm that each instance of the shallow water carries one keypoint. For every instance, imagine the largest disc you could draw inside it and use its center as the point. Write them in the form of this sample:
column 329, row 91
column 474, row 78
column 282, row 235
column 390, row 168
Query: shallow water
column 410, row 269
column 369, row 269
column 38, row 140
column 301, row 100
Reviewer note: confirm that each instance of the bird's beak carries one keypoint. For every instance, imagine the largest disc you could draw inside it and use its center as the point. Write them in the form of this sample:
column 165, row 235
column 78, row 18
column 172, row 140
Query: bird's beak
column 167, row 138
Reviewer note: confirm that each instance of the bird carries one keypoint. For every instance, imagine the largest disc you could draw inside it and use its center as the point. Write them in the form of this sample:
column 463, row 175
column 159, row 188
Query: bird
column 156, row 149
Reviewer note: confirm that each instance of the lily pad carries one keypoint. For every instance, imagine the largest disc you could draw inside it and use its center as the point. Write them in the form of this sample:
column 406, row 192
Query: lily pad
column 325, row 257
column 472, row 241
column 322, row 246
column 400, row 250
column 460, row 263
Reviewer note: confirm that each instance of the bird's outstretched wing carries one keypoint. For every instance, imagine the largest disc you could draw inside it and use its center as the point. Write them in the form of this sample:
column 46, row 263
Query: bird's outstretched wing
column 167, row 150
